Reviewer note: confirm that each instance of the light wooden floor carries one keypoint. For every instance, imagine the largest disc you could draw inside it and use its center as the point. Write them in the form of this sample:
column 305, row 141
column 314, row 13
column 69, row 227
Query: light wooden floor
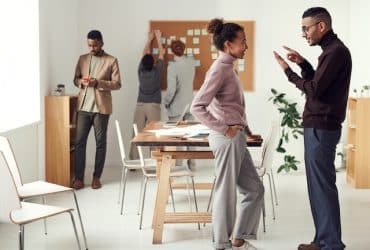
column 107, row 230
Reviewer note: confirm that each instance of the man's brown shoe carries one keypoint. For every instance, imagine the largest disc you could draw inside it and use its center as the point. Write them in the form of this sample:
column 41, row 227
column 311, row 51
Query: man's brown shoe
column 311, row 246
column 77, row 184
column 96, row 184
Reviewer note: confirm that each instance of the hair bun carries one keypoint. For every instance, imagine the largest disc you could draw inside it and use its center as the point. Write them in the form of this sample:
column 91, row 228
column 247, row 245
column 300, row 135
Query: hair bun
column 215, row 26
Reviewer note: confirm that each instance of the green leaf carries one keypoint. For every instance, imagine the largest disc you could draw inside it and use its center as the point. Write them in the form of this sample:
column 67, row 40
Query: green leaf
column 281, row 150
column 281, row 168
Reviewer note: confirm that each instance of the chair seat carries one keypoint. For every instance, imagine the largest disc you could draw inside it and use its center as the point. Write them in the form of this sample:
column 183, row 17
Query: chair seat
column 175, row 172
column 39, row 188
column 136, row 164
column 30, row 212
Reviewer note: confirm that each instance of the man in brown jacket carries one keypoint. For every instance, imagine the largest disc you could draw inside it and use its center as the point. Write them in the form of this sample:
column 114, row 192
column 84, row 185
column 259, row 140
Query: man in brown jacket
column 97, row 73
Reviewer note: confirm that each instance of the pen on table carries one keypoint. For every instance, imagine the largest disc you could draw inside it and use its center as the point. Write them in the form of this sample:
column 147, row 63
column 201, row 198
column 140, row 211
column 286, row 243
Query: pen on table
column 179, row 137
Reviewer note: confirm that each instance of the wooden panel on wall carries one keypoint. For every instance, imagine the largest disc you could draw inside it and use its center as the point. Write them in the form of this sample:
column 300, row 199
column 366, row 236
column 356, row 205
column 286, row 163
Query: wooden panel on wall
column 172, row 30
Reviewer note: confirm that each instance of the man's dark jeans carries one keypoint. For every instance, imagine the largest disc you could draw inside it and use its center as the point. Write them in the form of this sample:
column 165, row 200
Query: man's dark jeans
column 320, row 148
column 86, row 120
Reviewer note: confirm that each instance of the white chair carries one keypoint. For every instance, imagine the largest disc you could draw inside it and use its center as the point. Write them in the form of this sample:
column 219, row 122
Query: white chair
column 265, row 166
column 127, row 165
column 152, row 173
column 37, row 188
column 13, row 211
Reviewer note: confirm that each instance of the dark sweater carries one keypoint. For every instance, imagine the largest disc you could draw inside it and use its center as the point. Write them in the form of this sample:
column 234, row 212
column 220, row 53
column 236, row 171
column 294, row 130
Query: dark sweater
column 326, row 88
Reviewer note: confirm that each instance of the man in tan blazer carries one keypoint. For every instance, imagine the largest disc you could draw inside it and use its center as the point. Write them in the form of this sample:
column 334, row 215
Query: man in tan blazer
column 97, row 73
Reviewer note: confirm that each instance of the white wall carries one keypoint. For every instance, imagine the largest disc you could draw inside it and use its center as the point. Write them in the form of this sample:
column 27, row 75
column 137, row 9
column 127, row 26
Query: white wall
column 124, row 24
column 125, row 28
column 279, row 23
column 360, row 42
column 125, row 31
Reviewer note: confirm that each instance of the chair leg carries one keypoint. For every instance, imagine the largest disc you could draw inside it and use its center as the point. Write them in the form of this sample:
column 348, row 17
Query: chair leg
column 80, row 218
column 195, row 199
column 21, row 237
column 272, row 197
column 210, row 197
column 45, row 225
column 142, row 203
column 120, row 185
column 123, row 189
column 172, row 198
column 141, row 194
column 75, row 229
column 273, row 185
column 188, row 190
column 264, row 215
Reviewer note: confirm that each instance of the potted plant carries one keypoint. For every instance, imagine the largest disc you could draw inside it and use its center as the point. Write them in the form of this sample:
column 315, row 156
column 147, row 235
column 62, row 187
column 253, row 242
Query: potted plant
column 290, row 127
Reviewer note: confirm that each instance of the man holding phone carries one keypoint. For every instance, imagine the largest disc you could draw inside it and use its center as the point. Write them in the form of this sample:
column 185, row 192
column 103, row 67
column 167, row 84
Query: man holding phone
column 96, row 74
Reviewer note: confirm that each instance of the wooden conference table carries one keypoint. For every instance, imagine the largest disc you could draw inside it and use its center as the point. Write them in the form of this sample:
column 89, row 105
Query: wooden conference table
column 166, row 157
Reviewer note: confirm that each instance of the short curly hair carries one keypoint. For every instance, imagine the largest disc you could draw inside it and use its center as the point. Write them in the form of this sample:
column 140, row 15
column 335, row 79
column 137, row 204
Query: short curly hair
column 178, row 47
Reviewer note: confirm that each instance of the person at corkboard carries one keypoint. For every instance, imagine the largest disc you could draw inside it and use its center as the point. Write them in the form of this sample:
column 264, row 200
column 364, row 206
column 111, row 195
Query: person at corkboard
column 179, row 94
column 326, row 90
column 148, row 107
column 180, row 77
column 96, row 74
column 220, row 105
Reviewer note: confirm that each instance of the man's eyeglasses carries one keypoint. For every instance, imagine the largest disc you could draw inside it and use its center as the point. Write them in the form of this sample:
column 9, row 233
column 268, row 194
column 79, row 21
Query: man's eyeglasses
column 305, row 29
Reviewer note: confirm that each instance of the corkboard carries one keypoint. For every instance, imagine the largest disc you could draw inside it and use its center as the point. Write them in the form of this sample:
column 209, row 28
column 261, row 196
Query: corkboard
column 180, row 29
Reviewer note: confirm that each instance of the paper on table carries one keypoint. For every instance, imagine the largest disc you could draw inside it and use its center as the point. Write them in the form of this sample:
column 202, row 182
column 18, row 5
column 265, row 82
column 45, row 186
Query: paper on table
column 187, row 131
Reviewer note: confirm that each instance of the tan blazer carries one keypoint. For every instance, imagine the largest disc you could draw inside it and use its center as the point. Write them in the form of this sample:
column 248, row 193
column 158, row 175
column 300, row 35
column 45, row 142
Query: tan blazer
column 108, row 77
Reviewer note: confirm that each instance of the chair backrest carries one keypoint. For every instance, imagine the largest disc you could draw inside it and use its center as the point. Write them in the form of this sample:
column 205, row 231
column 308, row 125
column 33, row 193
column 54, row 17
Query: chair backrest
column 9, row 199
column 139, row 149
column 6, row 149
column 120, row 142
column 270, row 146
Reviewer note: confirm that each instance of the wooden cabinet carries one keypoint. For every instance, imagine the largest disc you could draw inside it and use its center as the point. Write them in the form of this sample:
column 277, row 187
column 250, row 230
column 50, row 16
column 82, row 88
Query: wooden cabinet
column 60, row 128
column 358, row 147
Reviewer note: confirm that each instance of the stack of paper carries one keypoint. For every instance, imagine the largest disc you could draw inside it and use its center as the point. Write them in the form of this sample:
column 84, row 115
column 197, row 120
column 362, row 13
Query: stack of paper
column 187, row 131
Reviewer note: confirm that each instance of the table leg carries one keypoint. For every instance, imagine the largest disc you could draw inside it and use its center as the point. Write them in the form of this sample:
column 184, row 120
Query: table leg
column 159, row 166
column 161, row 199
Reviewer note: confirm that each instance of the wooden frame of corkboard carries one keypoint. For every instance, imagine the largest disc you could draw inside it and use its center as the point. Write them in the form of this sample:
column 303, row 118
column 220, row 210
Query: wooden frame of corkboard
column 180, row 29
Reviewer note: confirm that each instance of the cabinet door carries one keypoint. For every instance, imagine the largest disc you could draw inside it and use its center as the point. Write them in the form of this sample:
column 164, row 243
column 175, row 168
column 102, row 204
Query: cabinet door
column 57, row 139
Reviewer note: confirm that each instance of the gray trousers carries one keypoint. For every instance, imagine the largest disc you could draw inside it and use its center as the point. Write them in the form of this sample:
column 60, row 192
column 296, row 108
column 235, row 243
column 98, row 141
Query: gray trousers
column 234, row 168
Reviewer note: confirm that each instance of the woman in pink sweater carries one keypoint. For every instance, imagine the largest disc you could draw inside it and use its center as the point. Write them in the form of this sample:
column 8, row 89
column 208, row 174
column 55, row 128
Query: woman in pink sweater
column 219, row 105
